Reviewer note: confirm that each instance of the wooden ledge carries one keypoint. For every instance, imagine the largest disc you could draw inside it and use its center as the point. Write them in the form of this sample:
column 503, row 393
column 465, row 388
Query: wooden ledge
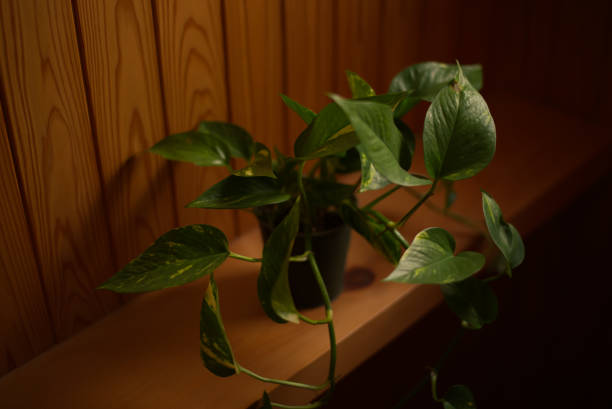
column 146, row 355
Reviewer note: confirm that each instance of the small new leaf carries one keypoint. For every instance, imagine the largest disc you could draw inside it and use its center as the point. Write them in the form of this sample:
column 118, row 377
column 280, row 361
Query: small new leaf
column 430, row 259
column 459, row 133
column 504, row 235
column 273, row 281
column 359, row 87
column 215, row 349
column 237, row 192
column 459, row 397
column 472, row 300
column 306, row 114
column 178, row 257
column 195, row 147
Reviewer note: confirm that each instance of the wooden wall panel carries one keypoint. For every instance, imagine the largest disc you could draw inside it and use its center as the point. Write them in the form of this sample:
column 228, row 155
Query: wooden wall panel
column 25, row 327
column 126, row 102
column 46, row 108
column 192, row 63
column 310, row 60
column 255, row 51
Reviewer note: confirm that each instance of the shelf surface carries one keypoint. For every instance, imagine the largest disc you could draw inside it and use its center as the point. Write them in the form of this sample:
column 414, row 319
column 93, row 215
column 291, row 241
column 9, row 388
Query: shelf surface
column 146, row 355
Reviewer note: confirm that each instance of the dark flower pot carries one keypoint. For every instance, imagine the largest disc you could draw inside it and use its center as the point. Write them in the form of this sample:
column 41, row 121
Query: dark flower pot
column 330, row 247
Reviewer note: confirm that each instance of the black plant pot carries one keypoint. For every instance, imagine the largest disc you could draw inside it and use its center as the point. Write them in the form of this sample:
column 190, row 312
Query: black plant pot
column 330, row 247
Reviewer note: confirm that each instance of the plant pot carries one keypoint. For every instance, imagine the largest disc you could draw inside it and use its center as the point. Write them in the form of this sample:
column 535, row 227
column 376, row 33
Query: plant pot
column 330, row 247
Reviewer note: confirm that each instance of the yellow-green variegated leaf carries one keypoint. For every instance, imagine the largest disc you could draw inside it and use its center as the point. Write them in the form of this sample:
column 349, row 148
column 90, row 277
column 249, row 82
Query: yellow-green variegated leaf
column 178, row 257
column 430, row 259
column 215, row 348
column 261, row 165
column 273, row 282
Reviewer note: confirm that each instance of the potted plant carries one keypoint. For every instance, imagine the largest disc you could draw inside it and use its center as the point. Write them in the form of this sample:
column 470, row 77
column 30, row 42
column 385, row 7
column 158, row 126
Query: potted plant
column 297, row 208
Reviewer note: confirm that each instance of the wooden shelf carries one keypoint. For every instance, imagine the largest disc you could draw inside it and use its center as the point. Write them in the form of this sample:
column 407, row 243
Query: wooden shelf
column 145, row 355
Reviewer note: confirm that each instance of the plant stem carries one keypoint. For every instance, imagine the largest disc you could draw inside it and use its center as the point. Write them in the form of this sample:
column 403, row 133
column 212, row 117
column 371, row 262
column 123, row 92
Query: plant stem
column 451, row 215
column 319, row 279
column 422, row 200
column 311, row 321
column 381, row 197
column 244, row 258
column 299, row 258
column 397, row 234
column 282, row 382
column 434, row 385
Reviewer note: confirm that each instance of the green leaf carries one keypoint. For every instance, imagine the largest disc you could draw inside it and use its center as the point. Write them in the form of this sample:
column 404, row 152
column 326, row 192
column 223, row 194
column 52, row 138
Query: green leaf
column 237, row 192
column 371, row 229
column 325, row 193
column 215, row 348
column 178, row 257
column 450, row 195
column 237, row 140
column 261, row 165
column 379, row 138
column 472, row 300
column 459, row 133
column 331, row 131
column 195, row 147
column 504, row 235
column 265, row 401
column 430, row 259
column 306, row 114
column 273, row 282
column 458, row 397
column 371, row 179
column 359, row 87
column 425, row 80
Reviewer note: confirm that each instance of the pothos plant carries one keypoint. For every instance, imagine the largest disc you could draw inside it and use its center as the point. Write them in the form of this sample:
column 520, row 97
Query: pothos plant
column 366, row 134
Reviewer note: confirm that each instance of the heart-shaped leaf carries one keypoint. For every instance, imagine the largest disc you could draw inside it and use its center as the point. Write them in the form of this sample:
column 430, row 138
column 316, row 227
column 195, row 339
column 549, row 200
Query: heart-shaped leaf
column 425, row 80
column 261, row 165
column 237, row 140
column 472, row 300
column 215, row 348
column 359, row 87
column 331, row 131
column 237, row 192
column 273, row 282
column 459, row 133
column 504, row 235
column 178, row 257
column 371, row 229
column 458, row 397
column 306, row 114
column 195, row 147
column 379, row 138
column 430, row 259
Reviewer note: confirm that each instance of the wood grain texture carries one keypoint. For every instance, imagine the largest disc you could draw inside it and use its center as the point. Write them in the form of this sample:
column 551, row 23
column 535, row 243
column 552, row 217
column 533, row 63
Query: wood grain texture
column 254, row 53
column 359, row 42
column 126, row 103
column 309, row 34
column 25, row 325
column 46, row 107
column 192, row 65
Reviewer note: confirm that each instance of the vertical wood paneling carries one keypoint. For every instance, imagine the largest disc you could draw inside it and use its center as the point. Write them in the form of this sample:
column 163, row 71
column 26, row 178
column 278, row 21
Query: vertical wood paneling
column 46, row 107
column 254, row 50
column 309, row 33
column 359, row 43
column 192, row 63
column 25, row 328
column 126, row 102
